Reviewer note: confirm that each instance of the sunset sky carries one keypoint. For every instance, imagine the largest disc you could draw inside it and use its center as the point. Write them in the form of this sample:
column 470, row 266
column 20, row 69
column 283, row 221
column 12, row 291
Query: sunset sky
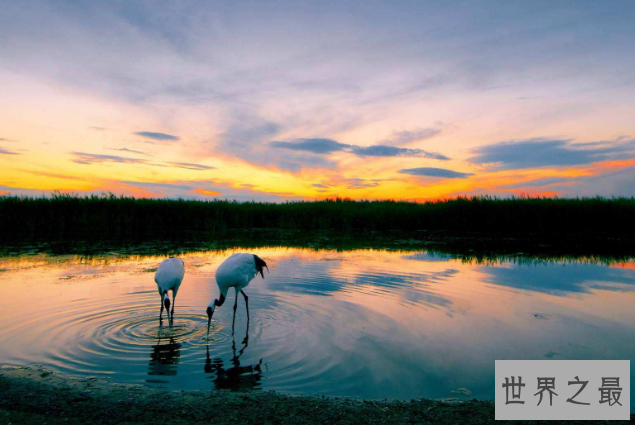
column 280, row 100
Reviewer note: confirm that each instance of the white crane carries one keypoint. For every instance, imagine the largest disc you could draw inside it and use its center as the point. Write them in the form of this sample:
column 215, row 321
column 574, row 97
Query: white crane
column 235, row 272
column 169, row 276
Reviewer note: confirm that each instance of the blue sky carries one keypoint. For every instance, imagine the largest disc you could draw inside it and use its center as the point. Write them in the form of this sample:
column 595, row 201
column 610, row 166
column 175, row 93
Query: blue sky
column 278, row 100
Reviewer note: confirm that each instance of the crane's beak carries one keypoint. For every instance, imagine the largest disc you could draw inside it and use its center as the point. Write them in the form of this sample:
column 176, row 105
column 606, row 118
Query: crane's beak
column 262, row 271
column 210, row 313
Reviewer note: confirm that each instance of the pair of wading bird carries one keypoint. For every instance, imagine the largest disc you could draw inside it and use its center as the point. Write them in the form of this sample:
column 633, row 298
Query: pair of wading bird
column 235, row 272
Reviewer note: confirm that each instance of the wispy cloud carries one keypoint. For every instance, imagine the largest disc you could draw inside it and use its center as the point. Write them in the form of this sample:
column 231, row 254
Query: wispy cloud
column 157, row 136
column 542, row 152
column 246, row 138
column 93, row 158
column 208, row 192
column 7, row 152
column 435, row 172
column 538, row 183
column 382, row 150
column 348, row 183
column 327, row 146
column 616, row 183
column 54, row 175
column 129, row 151
column 157, row 185
column 97, row 128
column 4, row 190
column 191, row 166
column 357, row 183
column 319, row 146
column 405, row 137
column 197, row 189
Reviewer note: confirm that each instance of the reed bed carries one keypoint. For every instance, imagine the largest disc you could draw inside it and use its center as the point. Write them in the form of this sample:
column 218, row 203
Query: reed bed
column 71, row 217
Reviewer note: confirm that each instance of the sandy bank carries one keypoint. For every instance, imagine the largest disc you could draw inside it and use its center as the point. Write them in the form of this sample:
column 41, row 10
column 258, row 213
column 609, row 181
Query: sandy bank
column 37, row 395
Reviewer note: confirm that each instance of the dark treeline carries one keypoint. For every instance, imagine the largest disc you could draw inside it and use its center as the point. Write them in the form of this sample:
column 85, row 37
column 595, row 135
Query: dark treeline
column 70, row 217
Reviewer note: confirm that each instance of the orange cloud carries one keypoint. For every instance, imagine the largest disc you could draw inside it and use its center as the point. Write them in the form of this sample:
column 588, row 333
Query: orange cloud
column 208, row 192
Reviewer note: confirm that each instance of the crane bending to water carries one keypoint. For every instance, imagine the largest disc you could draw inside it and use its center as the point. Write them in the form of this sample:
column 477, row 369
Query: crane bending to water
column 235, row 272
column 168, row 277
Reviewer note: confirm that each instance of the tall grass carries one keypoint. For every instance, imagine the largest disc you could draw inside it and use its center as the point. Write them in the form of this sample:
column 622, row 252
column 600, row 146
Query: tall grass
column 68, row 217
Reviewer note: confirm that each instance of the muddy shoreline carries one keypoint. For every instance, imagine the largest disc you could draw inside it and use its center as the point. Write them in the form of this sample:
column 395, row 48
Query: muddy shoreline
column 37, row 395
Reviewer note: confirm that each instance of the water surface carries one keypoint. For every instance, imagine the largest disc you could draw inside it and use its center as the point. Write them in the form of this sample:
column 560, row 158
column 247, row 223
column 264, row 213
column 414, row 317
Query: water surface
column 362, row 323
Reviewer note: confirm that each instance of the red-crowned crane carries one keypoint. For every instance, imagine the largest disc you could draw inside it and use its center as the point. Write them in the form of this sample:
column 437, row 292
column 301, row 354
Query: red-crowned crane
column 168, row 277
column 235, row 272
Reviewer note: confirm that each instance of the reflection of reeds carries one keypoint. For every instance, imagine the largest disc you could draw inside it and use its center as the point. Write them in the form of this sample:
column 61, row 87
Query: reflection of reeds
column 110, row 217
column 532, row 259
column 136, row 258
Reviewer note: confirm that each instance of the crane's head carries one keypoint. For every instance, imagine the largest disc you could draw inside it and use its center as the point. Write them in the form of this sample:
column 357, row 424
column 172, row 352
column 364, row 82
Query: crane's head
column 212, row 306
column 166, row 302
column 260, row 266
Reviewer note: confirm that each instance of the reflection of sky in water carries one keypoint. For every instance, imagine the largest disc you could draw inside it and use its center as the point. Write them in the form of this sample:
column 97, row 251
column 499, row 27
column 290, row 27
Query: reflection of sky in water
column 561, row 279
column 363, row 323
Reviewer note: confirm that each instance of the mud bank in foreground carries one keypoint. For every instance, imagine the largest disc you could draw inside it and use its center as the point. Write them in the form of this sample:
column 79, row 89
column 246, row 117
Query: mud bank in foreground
column 37, row 395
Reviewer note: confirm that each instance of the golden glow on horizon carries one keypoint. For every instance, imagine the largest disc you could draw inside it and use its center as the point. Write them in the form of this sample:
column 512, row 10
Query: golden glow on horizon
column 45, row 127
column 34, row 173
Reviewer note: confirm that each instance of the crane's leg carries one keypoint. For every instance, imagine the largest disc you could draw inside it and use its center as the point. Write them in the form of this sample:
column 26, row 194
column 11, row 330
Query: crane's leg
column 247, row 305
column 235, row 307
column 173, row 302
column 161, row 315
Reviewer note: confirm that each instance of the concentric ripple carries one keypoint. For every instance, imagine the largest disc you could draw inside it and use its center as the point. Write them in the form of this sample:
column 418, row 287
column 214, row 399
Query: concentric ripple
column 108, row 333
column 141, row 329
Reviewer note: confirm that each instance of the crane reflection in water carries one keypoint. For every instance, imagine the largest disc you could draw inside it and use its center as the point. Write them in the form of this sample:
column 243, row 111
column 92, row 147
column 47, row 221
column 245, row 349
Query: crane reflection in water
column 164, row 359
column 235, row 377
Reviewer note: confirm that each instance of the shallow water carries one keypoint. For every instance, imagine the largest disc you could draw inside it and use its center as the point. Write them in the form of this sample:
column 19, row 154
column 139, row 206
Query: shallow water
column 364, row 323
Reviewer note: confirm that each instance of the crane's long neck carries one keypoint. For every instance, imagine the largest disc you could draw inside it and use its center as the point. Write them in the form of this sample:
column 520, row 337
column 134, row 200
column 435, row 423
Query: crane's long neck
column 218, row 301
column 212, row 307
